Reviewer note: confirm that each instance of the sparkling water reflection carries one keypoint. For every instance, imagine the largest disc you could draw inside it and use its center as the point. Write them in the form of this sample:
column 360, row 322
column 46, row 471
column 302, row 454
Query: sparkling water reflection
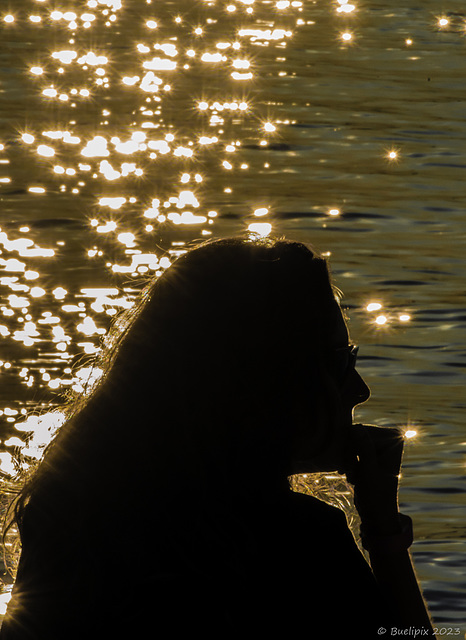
column 128, row 134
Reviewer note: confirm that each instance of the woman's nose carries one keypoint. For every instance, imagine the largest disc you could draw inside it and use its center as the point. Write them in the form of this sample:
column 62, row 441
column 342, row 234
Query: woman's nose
column 357, row 390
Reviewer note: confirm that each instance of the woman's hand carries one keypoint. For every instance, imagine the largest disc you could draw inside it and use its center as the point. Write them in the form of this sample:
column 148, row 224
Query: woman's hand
column 374, row 472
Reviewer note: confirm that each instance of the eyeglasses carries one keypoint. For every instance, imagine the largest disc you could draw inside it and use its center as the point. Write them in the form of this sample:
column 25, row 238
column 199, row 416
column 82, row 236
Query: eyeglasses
column 345, row 361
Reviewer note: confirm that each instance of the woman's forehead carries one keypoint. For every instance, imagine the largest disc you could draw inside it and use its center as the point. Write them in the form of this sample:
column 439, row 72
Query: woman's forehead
column 338, row 334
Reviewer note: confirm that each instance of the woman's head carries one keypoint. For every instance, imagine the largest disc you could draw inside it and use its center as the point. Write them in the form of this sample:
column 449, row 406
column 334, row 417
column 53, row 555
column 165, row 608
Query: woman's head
column 224, row 362
column 232, row 332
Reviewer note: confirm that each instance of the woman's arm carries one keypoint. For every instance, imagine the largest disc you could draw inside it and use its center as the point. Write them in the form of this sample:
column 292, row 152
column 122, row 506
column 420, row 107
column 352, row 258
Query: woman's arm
column 395, row 574
column 385, row 533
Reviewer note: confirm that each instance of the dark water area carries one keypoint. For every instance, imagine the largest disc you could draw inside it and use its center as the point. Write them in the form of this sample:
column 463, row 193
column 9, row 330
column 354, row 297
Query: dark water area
column 130, row 131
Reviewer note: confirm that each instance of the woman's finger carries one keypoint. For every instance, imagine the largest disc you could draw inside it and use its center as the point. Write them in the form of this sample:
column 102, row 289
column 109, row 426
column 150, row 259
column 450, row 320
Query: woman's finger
column 380, row 446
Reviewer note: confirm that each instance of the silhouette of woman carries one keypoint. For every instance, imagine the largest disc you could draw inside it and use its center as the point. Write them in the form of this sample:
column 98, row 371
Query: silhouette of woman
column 163, row 505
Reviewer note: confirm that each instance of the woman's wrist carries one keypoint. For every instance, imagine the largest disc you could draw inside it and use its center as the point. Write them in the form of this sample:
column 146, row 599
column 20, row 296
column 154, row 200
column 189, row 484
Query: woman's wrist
column 396, row 537
column 387, row 525
column 381, row 522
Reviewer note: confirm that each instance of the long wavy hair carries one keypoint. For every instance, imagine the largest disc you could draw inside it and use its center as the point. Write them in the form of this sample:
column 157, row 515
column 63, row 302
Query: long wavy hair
column 198, row 396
